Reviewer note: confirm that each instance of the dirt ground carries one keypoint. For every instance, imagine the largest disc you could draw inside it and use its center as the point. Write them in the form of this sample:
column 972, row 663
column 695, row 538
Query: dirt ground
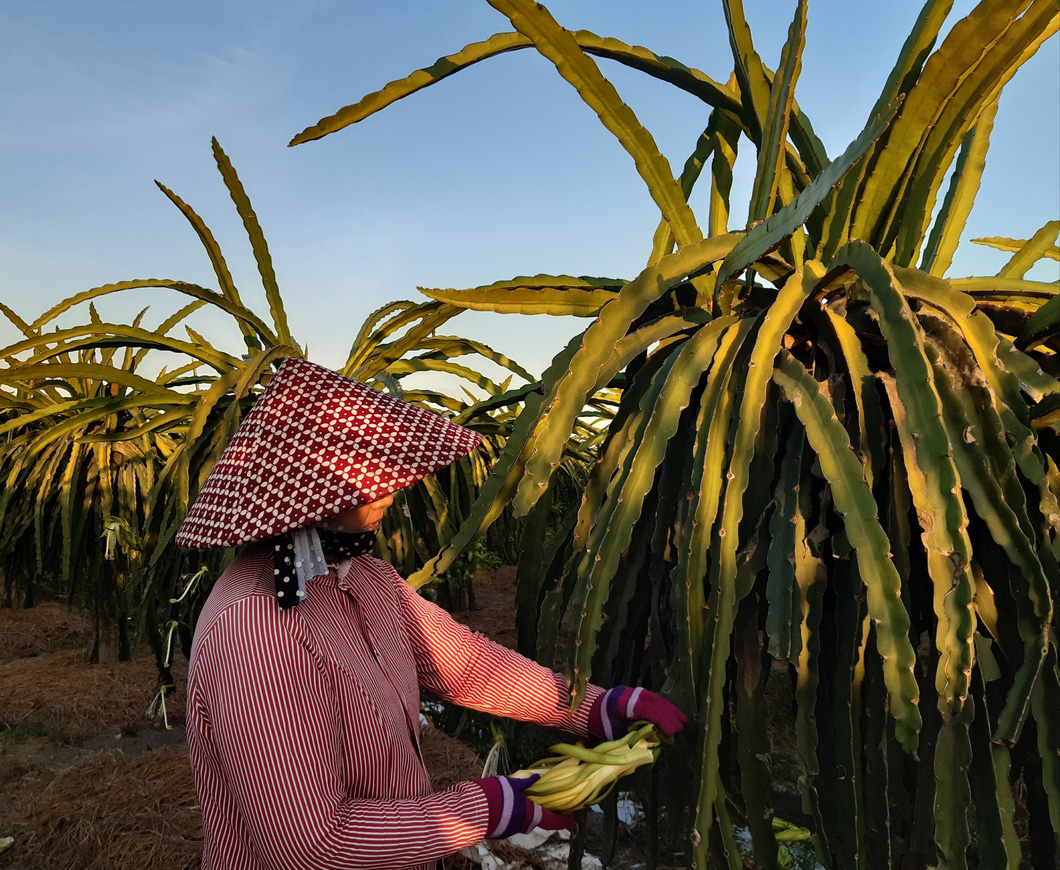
column 89, row 780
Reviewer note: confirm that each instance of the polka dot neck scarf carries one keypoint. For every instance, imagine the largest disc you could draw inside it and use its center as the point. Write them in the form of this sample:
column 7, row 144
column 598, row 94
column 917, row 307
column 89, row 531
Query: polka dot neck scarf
column 297, row 557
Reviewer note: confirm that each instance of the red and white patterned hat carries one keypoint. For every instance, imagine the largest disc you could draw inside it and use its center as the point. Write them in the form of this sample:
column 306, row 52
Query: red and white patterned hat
column 314, row 445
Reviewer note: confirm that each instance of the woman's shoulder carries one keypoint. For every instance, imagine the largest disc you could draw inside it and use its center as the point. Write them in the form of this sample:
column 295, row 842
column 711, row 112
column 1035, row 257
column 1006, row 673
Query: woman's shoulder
column 244, row 591
column 367, row 566
column 368, row 578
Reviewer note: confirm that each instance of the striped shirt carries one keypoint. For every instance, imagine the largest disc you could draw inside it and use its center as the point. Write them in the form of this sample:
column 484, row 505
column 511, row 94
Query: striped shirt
column 303, row 725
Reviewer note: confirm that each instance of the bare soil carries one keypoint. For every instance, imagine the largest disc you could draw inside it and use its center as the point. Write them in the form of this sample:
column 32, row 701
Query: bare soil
column 90, row 780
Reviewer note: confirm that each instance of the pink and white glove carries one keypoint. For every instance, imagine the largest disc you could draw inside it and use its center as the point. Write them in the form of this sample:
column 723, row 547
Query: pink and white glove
column 511, row 812
column 616, row 708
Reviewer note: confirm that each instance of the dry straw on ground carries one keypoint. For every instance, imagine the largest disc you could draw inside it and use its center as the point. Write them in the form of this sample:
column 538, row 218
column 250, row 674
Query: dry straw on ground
column 70, row 698
column 116, row 811
column 48, row 626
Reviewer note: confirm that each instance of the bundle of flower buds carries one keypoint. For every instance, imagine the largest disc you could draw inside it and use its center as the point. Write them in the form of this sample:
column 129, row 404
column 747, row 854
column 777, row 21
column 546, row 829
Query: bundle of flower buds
column 577, row 776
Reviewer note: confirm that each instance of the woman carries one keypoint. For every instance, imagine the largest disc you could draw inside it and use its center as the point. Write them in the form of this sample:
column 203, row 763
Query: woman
column 309, row 655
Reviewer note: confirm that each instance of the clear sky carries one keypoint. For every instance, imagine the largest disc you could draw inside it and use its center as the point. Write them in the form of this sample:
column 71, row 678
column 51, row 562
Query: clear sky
column 496, row 172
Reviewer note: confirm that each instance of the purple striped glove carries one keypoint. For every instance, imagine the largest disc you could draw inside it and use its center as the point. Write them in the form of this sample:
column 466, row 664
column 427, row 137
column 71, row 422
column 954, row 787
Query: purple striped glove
column 511, row 812
column 616, row 708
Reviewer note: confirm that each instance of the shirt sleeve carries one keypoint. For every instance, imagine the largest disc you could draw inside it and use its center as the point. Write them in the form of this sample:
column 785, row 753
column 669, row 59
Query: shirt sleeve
column 274, row 736
column 467, row 668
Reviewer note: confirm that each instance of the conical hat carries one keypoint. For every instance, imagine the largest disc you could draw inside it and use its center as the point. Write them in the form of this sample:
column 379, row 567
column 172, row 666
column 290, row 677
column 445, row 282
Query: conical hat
column 314, row 445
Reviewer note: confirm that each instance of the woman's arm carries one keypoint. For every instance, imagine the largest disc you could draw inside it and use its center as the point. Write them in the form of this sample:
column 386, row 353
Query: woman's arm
column 469, row 669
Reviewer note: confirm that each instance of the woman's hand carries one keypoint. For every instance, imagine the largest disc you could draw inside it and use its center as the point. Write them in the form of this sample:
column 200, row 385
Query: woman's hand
column 512, row 812
column 617, row 707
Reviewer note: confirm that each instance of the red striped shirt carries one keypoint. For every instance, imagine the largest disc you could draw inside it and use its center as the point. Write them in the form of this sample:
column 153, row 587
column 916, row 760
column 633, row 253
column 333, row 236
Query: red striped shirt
column 303, row 725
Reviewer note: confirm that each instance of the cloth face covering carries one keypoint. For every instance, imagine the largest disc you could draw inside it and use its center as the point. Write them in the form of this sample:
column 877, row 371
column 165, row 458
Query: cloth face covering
column 295, row 561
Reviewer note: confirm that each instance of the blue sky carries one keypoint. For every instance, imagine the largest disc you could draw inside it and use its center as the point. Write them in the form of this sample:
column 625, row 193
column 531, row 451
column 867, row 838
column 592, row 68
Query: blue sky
column 496, row 172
